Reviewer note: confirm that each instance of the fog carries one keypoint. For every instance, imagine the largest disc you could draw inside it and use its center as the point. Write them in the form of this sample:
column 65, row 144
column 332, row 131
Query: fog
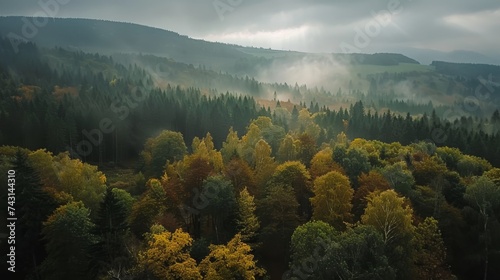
column 310, row 70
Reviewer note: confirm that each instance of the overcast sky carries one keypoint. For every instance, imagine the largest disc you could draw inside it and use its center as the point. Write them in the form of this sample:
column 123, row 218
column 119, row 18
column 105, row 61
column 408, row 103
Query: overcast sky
column 303, row 25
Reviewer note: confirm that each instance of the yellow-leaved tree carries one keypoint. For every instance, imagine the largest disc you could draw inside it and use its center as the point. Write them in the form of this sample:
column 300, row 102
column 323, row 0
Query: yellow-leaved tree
column 392, row 217
column 167, row 256
column 231, row 261
column 332, row 199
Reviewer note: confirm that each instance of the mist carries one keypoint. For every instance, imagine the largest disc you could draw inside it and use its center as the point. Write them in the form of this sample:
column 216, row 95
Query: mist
column 318, row 70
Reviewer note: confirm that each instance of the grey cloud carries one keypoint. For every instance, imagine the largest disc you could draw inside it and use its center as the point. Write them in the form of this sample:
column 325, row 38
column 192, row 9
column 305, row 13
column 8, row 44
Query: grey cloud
column 321, row 25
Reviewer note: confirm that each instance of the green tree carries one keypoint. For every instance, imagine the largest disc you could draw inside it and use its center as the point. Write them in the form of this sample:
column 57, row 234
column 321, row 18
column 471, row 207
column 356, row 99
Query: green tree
column 109, row 255
column 483, row 195
column 319, row 252
column 308, row 245
column 279, row 218
column 295, row 175
column 399, row 178
column 68, row 235
column 359, row 253
column 33, row 206
column 167, row 146
column 332, row 199
column 472, row 166
column 354, row 161
column 220, row 206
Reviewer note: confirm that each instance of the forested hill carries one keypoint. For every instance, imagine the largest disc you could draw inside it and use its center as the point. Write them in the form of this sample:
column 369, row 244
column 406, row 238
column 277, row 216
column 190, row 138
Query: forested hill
column 59, row 99
column 108, row 37
column 469, row 70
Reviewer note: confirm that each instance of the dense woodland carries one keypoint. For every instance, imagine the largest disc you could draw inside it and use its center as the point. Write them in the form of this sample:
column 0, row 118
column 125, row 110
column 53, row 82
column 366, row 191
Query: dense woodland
column 121, row 176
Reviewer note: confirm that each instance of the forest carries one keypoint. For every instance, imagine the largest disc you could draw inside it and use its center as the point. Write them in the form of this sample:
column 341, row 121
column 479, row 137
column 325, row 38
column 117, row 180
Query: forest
column 124, row 173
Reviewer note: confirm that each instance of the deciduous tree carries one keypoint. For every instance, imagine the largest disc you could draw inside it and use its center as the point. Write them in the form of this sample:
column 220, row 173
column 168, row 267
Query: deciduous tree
column 167, row 146
column 232, row 261
column 430, row 252
column 68, row 235
column 167, row 256
column 332, row 199
column 392, row 217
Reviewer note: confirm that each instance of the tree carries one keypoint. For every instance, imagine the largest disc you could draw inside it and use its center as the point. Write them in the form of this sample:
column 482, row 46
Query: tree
column 220, row 206
column 306, row 148
column 308, row 243
column 332, row 199
column 288, row 149
column 392, row 217
column 386, row 211
column 205, row 148
column 68, row 235
column 428, row 170
column 472, row 166
column 167, row 146
column 322, row 163
column 232, row 261
column 430, row 252
column 494, row 175
column 167, row 256
column 368, row 183
column 33, row 206
column 295, row 175
column 264, row 164
column 248, row 223
column 359, row 253
column 484, row 196
column 148, row 208
column 354, row 161
column 80, row 180
column 231, row 147
column 319, row 252
column 399, row 178
column 109, row 255
column 240, row 174
column 278, row 214
column 248, row 142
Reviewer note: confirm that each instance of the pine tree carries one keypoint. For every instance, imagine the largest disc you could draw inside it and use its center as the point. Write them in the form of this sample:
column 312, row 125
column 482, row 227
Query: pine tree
column 34, row 206
column 109, row 255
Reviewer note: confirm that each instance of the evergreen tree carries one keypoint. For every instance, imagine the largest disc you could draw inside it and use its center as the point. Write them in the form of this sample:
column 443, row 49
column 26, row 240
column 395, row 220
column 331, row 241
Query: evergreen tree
column 34, row 206
column 109, row 255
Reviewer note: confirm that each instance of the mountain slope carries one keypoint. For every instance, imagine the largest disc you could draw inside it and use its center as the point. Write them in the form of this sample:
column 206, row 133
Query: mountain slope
column 107, row 37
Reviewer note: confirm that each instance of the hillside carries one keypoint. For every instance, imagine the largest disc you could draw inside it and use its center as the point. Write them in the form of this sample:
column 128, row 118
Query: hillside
column 108, row 37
